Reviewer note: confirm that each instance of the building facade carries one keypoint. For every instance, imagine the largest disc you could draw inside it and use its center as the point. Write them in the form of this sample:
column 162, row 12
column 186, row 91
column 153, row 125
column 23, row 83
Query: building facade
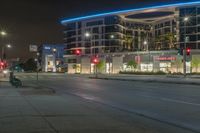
column 147, row 30
column 50, row 57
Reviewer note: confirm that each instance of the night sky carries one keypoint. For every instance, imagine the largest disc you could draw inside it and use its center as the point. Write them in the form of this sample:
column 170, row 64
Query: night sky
column 38, row 21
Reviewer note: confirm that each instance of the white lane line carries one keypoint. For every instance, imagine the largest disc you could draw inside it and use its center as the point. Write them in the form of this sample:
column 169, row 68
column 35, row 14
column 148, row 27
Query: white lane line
column 171, row 100
column 179, row 101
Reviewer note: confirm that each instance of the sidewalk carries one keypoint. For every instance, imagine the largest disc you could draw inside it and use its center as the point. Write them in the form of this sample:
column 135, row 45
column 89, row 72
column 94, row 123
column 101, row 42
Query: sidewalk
column 176, row 79
column 4, row 79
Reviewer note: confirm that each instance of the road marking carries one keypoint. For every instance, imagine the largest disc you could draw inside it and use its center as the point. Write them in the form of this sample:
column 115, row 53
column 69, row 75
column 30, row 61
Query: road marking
column 179, row 101
column 170, row 100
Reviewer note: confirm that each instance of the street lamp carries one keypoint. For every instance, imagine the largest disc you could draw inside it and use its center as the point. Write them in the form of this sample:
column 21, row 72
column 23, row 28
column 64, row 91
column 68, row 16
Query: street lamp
column 145, row 43
column 37, row 61
column 9, row 46
column 186, row 19
column 87, row 34
column 111, row 37
column 147, row 46
column 3, row 33
column 3, row 50
column 54, row 50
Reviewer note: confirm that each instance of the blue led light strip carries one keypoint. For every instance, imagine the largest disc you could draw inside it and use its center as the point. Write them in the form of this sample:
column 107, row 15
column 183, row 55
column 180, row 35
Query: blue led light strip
column 130, row 10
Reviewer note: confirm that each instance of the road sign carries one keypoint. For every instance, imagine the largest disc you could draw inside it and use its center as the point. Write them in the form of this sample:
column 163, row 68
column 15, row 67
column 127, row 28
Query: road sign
column 33, row 48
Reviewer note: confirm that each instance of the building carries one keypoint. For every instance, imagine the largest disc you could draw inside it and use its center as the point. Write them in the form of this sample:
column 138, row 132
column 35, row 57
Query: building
column 51, row 57
column 157, row 29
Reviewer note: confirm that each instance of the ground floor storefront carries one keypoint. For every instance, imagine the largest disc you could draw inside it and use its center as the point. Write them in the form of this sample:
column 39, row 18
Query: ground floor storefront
column 148, row 61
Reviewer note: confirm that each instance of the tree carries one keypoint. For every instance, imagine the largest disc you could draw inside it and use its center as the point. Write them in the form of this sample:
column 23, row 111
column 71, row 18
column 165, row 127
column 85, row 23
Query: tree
column 132, row 64
column 170, row 39
column 101, row 65
column 158, row 42
column 195, row 62
column 30, row 65
column 128, row 42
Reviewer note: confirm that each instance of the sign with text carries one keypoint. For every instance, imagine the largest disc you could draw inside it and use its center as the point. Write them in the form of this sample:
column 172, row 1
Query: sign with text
column 33, row 48
column 164, row 58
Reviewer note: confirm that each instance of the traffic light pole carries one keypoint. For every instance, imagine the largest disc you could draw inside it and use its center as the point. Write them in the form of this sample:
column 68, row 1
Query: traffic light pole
column 184, row 52
column 184, row 60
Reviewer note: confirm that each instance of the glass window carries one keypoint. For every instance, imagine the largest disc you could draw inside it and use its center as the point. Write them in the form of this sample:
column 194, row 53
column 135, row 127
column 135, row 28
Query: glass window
column 190, row 11
column 71, row 26
column 167, row 30
column 95, row 30
column 193, row 38
column 190, row 30
column 112, row 20
column 182, row 12
column 167, row 23
column 192, row 45
column 70, row 33
column 93, row 23
column 113, row 28
column 79, row 25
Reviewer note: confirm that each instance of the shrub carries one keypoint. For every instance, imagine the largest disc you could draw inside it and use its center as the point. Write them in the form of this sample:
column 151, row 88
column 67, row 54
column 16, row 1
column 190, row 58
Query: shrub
column 144, row 73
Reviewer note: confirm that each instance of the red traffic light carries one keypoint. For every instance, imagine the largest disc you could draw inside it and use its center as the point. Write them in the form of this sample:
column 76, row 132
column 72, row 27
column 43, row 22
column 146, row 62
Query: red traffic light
column 1, row 63
column 95, row 60
column 188, row 50
column 77, row 51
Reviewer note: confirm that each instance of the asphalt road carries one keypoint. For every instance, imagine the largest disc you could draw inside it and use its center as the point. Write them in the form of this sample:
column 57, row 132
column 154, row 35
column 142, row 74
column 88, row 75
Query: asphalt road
column 80, row 104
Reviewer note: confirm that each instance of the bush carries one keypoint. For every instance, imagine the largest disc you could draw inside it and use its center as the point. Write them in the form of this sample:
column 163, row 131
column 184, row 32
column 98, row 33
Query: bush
column 196, row 73
column 144, row 73
column 177, row 73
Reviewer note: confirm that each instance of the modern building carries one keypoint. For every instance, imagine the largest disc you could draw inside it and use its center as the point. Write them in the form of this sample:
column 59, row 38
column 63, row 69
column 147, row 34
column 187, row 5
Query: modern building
column 143, row 31
column 50, row 57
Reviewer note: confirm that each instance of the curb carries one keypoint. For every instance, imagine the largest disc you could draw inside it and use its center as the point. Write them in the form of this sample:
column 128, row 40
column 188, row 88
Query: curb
column 157, row 81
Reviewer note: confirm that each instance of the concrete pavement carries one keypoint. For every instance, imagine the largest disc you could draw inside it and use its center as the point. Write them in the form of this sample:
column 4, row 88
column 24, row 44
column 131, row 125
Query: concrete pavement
column 177, row 79
column 39, row 110
column 175, row 105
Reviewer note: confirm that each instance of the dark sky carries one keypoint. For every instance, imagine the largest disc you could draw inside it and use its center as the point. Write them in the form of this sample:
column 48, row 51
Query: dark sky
column 37, row 21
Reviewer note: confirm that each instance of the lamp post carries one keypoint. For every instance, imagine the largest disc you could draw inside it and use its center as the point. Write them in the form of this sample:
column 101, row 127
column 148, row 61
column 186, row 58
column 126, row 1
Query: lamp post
column 3, row 34
column 186, row 19
column 54, row 50
column 147, row 45
column 111, row 37
column 88, row 35
column 37, row 61
column 3, row 50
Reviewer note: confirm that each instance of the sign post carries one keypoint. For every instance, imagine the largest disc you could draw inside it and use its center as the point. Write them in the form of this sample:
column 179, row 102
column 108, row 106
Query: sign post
column 34, row 48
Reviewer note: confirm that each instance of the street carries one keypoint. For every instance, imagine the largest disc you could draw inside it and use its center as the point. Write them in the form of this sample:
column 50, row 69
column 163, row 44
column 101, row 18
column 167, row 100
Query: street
column 74, row 103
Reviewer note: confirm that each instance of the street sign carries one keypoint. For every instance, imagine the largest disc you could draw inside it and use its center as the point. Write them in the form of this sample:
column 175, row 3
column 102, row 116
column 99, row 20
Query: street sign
column 33, row 48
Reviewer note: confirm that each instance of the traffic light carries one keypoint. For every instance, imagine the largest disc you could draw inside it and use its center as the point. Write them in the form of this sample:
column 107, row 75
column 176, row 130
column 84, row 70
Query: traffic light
column 95, row 60
column 188, row 50
column 1, row 63
column 77, row 51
